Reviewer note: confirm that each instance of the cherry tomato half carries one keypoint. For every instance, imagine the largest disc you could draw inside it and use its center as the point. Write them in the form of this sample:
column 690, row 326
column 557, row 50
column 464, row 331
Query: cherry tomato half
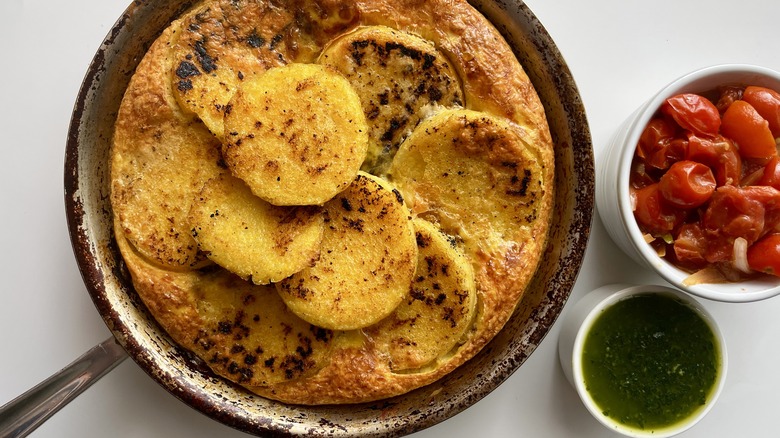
column 687, row 184
column 694, row 113
column 767, row 103
column 764, row 255
column 720, row 154
column 657, row 145
column 653, row 213
column 743, row 124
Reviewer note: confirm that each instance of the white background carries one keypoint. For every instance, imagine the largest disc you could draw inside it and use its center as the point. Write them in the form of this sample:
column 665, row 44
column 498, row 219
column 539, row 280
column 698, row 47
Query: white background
column 619, row 52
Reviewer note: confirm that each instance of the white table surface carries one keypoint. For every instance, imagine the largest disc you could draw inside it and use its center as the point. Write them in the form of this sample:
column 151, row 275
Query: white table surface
column 619, row 52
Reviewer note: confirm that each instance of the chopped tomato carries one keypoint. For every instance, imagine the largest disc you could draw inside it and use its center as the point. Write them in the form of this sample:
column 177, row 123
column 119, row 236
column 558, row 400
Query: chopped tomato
column 737, row 212
column 743, row 124
column 653, row 213
column 720, row 154
column 687, row 184
column 767, row 103
column 728, row 218
column 707, row 176
column 690, row 246
column 764, row 255
column 693, row 113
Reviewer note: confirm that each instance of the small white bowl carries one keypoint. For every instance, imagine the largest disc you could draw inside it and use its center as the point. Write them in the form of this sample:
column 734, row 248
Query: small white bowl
column 580, row 319
column 612, row 183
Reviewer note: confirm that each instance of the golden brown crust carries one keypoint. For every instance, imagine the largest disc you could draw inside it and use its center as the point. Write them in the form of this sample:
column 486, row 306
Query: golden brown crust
column 352, row 368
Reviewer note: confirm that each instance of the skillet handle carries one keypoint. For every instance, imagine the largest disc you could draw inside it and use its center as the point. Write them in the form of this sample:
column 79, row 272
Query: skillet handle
column 26, row 412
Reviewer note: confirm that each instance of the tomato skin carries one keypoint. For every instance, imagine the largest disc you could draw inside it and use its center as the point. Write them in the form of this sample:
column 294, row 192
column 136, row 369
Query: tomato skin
column 764, row 255
column 687, row 184
column 639, row 175
column 720, row 154
column 771, row 176
column 653, row 213
column 693, row 113
column 657, row 145
column 728, row 95
column 767, row 102
column 743, row 124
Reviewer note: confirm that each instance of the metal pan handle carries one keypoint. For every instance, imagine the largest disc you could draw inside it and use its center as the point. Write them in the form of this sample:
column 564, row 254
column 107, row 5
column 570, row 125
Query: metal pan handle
column 25, row 413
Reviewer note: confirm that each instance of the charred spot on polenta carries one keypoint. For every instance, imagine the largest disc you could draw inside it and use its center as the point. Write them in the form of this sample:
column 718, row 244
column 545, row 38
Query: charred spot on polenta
column 400, row 78
column 250, row 335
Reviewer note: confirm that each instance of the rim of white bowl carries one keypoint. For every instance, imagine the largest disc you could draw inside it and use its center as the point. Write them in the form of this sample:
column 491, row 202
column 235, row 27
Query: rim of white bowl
column 697, row 81
column 587, row 323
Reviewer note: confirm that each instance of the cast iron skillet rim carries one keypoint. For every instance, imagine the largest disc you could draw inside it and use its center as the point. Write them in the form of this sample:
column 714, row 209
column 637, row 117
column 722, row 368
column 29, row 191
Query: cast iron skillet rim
column 94, row 278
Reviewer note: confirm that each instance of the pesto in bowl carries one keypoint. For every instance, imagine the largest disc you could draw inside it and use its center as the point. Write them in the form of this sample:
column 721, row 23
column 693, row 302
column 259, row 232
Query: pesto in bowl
column 650, row 361
column 646, row 361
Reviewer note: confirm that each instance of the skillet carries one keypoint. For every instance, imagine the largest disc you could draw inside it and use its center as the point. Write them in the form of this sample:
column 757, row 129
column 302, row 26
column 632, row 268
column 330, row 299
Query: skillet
column 183, row 375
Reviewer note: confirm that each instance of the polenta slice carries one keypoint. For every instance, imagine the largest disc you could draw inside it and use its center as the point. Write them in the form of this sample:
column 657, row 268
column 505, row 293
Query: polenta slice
column 367, row 260
column 477, row 177
column 159, row 161
column 222, row 44
column 400, row 78
column 439, row 309
column 251, row 238
column 296, row 134
column 244, row 332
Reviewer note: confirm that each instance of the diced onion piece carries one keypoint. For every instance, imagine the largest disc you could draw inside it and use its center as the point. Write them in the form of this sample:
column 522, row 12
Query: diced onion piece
column 710, row 274
column 648, row 237
column 740, row 255
column 752, row 178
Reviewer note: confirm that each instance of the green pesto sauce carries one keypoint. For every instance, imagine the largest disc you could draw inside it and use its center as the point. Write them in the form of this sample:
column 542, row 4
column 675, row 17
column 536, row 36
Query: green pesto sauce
column 650, row 361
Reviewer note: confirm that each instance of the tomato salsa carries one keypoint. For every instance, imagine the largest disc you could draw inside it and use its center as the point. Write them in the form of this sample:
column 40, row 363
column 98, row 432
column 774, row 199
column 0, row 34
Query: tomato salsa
column 705, row 181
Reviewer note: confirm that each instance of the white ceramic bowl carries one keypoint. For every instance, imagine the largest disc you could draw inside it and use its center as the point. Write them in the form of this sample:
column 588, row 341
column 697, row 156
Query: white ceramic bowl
column 580, row 319
column 612, row 183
